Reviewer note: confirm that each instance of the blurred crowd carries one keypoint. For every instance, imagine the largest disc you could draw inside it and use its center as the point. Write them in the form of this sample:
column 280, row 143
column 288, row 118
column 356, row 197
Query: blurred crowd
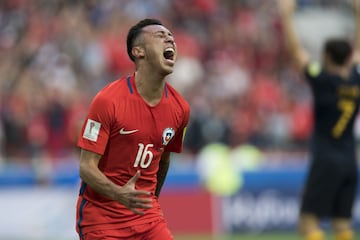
column 232, row 68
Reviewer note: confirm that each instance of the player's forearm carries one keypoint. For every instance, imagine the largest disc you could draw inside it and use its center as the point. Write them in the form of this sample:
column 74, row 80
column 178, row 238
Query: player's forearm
column 92, row 176
column 162, row 172
column 292, row 42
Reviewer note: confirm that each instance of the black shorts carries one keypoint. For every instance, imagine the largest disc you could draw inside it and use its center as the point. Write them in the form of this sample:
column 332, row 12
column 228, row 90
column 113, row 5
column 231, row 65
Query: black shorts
column 330, row 189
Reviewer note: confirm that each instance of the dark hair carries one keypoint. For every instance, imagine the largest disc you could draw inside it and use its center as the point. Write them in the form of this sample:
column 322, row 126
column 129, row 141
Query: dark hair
column 135, row 31
column 339, row 50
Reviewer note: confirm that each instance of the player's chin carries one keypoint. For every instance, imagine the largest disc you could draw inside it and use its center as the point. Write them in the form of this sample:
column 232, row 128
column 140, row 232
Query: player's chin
column 168, row 69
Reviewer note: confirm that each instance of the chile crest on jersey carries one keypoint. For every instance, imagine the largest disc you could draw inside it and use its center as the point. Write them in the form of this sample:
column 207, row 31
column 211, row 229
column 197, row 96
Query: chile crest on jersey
column 167, row 135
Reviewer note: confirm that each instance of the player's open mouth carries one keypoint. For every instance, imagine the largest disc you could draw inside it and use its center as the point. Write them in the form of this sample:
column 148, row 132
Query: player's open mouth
column 169, row 54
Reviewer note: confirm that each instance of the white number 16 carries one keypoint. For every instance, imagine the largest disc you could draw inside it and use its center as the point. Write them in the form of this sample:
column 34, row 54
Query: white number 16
column 144, row 156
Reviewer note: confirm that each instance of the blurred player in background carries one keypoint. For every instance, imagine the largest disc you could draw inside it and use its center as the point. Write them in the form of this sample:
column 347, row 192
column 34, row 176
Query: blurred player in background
column 132, row 126
column 331, row 184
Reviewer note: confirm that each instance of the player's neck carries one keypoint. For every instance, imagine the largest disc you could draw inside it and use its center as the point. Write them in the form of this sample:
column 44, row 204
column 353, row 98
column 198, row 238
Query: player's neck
column 342, row 71
column 150, row 87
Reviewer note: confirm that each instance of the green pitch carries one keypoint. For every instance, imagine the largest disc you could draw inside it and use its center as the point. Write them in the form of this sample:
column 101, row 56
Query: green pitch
column 262, row 236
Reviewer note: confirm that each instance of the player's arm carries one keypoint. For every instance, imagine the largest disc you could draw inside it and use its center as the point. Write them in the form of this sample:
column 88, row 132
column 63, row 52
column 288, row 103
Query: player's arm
column 126, row 194
column 162, row 172
column 356, row 54
column 298, row 54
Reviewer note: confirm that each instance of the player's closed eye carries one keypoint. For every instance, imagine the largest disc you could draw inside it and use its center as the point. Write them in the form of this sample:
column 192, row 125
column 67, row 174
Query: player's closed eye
column 161, row 34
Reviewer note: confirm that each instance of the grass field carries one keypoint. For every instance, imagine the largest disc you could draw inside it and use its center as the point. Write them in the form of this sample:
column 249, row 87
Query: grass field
column 262, row 236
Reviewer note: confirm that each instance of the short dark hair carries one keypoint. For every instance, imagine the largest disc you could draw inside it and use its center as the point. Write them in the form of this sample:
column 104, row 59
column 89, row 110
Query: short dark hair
column 135, row 31
column 339, row 50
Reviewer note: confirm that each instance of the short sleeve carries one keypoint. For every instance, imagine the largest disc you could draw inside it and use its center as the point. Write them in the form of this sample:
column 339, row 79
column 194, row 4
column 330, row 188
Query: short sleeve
column 176, row 145
column 95, row 131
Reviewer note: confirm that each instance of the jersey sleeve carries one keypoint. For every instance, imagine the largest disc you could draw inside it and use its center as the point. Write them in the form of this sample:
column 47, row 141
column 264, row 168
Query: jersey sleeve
column 176, row 145
column 95, row 131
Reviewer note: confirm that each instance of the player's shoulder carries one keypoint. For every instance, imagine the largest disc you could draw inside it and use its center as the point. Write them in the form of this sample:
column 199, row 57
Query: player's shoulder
column 178, row 98
column 110, row 94
column 115, row 88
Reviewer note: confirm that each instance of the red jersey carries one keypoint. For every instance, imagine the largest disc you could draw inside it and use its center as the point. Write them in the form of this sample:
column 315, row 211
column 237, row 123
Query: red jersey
column 130, row 135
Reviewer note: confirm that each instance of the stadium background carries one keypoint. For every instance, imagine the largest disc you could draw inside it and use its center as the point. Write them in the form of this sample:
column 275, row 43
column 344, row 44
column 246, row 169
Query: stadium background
column 233, row 70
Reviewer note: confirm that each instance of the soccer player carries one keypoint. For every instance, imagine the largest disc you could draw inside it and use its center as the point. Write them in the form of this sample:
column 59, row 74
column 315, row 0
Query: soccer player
column 132, row 126
column 330, row 187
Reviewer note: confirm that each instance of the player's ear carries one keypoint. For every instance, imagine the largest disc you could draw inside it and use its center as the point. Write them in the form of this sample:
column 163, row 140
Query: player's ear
column 138, row 52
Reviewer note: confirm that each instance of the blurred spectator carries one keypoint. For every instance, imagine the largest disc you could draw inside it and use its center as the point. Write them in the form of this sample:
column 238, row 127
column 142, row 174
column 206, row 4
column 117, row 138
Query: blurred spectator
column 232, row 69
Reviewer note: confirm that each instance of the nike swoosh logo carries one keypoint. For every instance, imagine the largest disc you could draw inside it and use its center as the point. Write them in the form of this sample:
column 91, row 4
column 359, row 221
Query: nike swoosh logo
column 123, row 131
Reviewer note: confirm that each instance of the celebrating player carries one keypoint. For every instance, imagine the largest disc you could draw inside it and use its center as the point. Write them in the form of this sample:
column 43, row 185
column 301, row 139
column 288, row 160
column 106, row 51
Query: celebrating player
column 132, row 126
column 331, row 184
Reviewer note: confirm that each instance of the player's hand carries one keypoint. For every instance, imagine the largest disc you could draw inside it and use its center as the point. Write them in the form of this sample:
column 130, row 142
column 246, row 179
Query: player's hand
column 286, row 7
column 135, row 200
